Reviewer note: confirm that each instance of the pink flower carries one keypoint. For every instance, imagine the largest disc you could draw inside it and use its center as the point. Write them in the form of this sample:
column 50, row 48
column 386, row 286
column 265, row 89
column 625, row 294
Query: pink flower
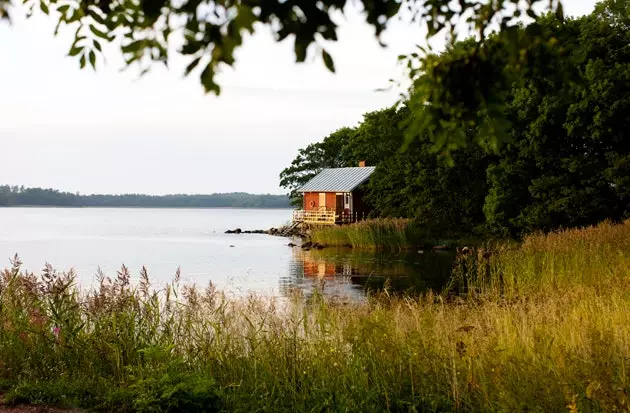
column 56, row 331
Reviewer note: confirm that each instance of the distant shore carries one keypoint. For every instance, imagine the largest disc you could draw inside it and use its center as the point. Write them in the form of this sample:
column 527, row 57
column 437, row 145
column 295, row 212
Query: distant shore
column 140, row 207
column 19, row 196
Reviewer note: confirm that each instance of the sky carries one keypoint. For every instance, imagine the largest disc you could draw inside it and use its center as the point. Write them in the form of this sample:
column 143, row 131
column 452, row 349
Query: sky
column 113, row 132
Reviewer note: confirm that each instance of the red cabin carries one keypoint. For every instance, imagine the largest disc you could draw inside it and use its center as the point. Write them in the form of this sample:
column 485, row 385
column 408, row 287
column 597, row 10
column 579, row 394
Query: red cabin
column 335, row 195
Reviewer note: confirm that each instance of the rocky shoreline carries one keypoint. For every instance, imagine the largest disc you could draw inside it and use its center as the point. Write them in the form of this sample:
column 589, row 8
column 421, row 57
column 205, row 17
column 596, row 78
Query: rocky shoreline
column 285, row 231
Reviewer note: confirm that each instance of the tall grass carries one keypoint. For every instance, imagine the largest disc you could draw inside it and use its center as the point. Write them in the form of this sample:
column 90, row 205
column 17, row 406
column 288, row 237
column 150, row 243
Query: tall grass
column 594, row 257
column 393, row 234
column 542, row 327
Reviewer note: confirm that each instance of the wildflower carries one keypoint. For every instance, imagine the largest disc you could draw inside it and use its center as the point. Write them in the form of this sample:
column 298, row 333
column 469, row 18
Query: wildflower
column 56, row 330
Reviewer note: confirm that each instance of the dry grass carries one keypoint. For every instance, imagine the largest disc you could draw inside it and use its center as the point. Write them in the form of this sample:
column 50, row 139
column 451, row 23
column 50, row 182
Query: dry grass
column 542, row 327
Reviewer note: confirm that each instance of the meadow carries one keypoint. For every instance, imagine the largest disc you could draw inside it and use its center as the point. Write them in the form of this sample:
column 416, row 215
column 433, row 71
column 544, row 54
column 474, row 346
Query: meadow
column 542, row 326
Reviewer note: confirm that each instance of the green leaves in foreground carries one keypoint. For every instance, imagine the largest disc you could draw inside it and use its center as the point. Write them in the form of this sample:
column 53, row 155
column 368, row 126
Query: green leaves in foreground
column 461, row 90
column 213, row 30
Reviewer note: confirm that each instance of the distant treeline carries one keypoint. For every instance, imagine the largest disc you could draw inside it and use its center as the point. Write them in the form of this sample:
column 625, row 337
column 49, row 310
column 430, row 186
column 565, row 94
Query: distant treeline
column 21, row 196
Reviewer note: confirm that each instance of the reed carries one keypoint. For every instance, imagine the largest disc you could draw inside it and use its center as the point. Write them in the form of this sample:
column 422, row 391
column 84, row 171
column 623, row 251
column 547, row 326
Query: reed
column 392, row 234
column 544, row 326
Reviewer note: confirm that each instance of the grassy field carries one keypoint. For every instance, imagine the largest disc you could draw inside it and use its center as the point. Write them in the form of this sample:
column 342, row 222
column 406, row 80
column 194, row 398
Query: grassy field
column 539, row 327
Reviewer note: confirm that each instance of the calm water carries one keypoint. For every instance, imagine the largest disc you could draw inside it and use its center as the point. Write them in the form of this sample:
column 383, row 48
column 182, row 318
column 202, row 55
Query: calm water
column 193, row 239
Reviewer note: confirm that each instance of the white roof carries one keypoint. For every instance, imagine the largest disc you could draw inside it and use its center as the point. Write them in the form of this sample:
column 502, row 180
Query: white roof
column 338, row 179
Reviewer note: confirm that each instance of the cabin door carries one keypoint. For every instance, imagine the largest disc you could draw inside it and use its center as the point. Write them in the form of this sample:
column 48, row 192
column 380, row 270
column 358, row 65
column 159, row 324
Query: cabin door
column 322, row 200
column 339, row 205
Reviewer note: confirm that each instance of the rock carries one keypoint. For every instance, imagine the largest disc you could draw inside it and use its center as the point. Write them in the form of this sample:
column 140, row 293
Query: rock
column 233, row 231
column 231, row 246
column 290, row 244
column 318, row 246
column 307, row 245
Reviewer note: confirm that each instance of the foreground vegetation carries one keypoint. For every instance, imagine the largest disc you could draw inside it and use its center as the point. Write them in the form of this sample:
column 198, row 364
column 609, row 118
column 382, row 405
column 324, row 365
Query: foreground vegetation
column 544, row 326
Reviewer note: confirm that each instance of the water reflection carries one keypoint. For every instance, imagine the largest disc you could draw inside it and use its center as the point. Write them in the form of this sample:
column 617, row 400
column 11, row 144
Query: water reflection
column 349, row 274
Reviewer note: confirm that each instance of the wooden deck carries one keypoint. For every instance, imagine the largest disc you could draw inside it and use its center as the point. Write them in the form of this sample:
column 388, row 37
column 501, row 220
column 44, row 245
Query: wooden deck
column 324, row 217
column 321, row 217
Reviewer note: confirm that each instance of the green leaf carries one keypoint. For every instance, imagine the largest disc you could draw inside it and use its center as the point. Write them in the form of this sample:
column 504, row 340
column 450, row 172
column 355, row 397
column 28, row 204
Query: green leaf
column 191, row 66
column 92, row 57
column 75, row 50
column 82, row 61
column 44, row 7
column 300, row 50
column 99, row 33
column 97, row 45
column 97, row 17
column 134, row 46
column 63, row 9
column 328, row 61
column 207, row 79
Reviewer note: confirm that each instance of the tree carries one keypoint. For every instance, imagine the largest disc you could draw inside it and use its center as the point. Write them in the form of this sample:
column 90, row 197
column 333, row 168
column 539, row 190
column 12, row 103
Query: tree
column 210, row 31
column 379, row 136
column 329, row 153
column 569, row 163
column 411, row 182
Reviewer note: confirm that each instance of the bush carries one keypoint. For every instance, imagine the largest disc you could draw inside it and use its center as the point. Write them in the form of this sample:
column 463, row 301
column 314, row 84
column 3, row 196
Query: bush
column 176, row 393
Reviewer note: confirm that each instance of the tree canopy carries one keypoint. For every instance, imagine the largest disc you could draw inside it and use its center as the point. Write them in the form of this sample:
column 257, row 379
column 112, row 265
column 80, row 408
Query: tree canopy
column 566, row 160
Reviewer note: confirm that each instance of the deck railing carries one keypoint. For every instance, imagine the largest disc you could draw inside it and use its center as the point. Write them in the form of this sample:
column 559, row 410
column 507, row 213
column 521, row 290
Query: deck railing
column 320, row 217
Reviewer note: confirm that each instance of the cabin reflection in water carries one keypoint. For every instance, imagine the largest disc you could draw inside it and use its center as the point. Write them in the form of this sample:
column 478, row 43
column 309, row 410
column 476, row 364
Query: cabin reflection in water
column 351, row 274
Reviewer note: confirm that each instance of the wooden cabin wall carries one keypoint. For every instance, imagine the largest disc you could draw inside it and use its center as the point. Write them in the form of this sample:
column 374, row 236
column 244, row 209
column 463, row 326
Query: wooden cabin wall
column 331, row 201
column 308, row 197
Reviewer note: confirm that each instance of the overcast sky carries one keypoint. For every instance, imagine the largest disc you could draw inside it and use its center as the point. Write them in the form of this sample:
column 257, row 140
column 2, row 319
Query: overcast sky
column 110, row 132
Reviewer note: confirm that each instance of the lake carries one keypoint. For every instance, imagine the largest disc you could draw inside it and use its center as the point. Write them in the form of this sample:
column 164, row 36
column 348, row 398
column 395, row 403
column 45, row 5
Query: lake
column 193, row 240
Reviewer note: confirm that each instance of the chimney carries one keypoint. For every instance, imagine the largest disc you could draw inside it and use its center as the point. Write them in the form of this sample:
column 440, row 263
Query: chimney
column 361, row 164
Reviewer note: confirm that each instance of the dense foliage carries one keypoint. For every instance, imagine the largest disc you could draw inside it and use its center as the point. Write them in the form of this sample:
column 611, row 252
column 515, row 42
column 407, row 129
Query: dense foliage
column 565, row 162
column 17, row 196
